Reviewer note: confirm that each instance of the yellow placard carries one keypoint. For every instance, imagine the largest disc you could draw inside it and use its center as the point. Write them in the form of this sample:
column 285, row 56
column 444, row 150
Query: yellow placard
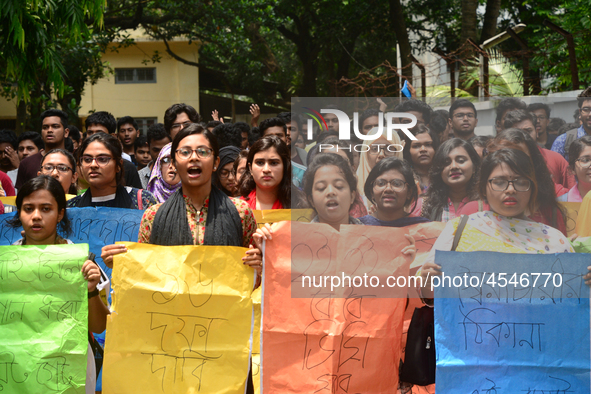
column 572, row 211
column 181, row 322
column 256, row 340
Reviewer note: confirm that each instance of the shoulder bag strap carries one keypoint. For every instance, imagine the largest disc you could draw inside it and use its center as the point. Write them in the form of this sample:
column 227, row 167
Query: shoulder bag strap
column 459, row 231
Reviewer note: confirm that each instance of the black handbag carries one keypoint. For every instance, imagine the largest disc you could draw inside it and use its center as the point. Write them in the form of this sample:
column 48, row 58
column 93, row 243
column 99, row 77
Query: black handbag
column 420, row 357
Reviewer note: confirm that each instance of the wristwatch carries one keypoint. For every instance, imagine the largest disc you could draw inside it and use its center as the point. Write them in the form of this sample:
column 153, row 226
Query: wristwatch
column 93, row 293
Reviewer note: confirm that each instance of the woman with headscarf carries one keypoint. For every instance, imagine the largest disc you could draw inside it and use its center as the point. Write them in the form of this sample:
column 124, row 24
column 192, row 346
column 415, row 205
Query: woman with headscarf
column 164, row 180
column 224, row 178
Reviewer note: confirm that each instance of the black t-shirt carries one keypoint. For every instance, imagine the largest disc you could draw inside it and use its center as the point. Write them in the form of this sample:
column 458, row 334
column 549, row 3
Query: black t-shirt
column 132, row 178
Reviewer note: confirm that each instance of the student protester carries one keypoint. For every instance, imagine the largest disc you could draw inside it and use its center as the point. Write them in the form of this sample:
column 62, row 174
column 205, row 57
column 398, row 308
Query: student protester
column 41, row 209
column 164, row 180
column 274, row 126
column 507, row 105
column 453, row 182
column 244, row 129
column 447, row 132
column 419, row 153
column 580, row 164
column 463, row 119
column 293, row 125
column 556, row 164
column 179, row 116
column 9, row 160
column 224, row 178
column 239, row 166
column 541, row 113
column 377, row 150
column 104, row 122
column 54, row 131
column 440, row 124
column 421, row 110
column 75, row 136
column 554, row 125
column 479, row 143
column 213, row 124
column 157, row 139
column 509, row 186
column 390, row 186
column 102, row 167
column 266, row 184
column 562, row 142
column 128, row 132
column 547, row 210
column 369, row 120
column 142, row 152
column 29, row 143
column 228, row 135
column 60, row 165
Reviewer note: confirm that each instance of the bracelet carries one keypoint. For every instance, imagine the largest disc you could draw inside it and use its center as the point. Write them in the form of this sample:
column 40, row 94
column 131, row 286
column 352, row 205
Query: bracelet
column 93, row 293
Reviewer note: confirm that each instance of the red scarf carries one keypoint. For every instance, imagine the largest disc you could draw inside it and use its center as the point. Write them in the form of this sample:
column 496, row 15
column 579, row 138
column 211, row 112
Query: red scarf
column 252, row 201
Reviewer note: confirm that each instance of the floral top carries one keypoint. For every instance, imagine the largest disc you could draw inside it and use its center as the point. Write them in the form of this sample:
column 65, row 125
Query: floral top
column 198, row 218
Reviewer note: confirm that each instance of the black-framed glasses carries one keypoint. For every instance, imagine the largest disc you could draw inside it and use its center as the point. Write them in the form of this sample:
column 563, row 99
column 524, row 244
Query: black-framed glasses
column 177, row 126
column 224, row 173
column 202, row 153
column 100, row 160
column 519, row 184
column 60, row 168
column 584, row 161
column 397, row 184
column 586, row 110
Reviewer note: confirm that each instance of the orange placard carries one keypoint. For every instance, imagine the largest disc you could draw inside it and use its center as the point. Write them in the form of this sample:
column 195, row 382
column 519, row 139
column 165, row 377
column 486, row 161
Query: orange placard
column 338, row 345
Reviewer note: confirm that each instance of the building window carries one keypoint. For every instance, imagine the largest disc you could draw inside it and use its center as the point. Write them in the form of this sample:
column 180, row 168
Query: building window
column 135, row 75
column 144, row 123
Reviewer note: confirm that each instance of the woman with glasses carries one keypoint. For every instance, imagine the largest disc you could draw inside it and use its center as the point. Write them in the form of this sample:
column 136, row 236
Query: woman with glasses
column 101, row 166
column 372, row 152
column 390, row 186
column 266, row 183
column 508, row 184
column 453, row 182
column 164, row 179
column 61, row 165
column 224, row 177
column 579, row 161
column 420, row 153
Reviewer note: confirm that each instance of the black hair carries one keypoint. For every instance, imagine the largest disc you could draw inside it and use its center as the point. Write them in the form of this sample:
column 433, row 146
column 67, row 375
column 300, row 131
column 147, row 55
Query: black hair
column 368, row 113
column 575, row 149
column 517, row 116
column 102, row 118
column 247, row 183
column 272, row 122
column 174, row 110
column 228, row 135
column 112, row 144
column 156, row 132
column 242, row 155
column 462, row 103
column 546, row 193
column 254, row 136
column 64, row 152
column 342, row 144
column 507, row 104
column 480, row 140
column 140, row 141
column 519, row 162
column 43, row 182
column 9, row 136
column 404, row 168
column 555, row 124
column 192, row 129
column 290, row 117
column 323, row 160
column 585, row 95
column 74, row 133
column 55, row 112
column 213, row 124
column 326, row 134
column 536, row 106
column 566, row 127
column 417, row 106
column 439, row 122
column 438, row 191
column 242, row 126
column 68, row 144
column 127, row 120
column 418, row 129
column 34, row 137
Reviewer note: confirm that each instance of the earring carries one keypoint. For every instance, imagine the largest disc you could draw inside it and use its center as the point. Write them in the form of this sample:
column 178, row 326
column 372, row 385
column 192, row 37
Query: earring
column 215, row 168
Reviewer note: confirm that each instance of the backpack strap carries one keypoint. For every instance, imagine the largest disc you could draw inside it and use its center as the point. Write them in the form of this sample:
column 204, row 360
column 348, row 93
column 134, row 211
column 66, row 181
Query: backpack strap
column 571, row 136
column 459, row 231
column 480, row 206
column 140, row 204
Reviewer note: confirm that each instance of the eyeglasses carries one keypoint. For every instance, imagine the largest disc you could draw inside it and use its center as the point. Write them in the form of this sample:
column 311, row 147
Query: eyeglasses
column 375, row 150
column 60, row 168
column 177, row 126
column 469, row 115
column 500, row 184
column 166, row 160
column 100, row 160
column 202, row 153
column 584, row 161
column 586, row 110
column 541, row 117
column 224, row 173
column 397, row 184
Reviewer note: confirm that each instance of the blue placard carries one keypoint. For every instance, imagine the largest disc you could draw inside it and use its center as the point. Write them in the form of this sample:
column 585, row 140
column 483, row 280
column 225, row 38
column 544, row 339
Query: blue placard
column 513, row 337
